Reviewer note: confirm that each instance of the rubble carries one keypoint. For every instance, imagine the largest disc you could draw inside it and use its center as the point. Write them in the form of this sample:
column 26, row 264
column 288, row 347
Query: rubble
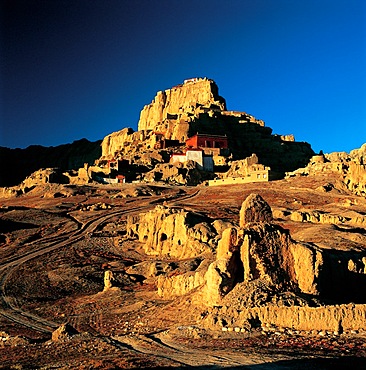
column 63, row 332
column 351, row 169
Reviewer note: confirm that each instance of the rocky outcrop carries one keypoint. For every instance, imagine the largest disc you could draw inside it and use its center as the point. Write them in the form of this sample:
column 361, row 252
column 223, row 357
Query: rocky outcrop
column 261, row 251
column 116, row 141
column 355, row 178
column 259, row 260
column 40, row 177
column 256, row 251
column 45, row 176
column 127, row 142
column 174, row 107
column 351, row 168
column 172, row 232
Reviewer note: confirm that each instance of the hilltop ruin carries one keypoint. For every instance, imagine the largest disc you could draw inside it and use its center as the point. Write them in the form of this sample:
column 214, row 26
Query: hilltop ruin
column 185, row 136
column 193, row 116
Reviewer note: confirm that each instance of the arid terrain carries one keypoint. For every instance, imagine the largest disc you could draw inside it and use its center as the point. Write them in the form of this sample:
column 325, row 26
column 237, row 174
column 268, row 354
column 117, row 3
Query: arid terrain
column 201, row 240
column 56, row 249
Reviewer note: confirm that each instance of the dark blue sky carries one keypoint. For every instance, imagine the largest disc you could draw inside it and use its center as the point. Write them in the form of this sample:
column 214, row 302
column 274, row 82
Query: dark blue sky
column 85, row 68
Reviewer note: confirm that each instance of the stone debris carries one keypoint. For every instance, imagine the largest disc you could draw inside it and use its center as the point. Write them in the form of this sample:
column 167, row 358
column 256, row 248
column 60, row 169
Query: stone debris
column 351, row 169
column 64, row 332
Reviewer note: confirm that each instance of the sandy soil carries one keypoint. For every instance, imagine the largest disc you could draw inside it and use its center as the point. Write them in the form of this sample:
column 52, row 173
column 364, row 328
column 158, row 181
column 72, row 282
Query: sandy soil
column 54, row 251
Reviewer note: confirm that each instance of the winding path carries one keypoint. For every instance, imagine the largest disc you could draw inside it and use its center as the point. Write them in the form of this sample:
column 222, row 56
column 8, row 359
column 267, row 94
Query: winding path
column 161, row 345
column 51, row 243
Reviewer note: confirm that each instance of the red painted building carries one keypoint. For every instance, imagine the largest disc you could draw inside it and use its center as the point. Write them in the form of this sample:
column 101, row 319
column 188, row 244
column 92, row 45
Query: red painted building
column 207, row 141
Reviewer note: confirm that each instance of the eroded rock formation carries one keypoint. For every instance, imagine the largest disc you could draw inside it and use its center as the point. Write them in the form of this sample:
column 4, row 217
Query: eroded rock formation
column 351, row 169
column 172, row 109
column 253, row 264
column 255, row 209
column 108, row 280
column 44, row 176
column 172, row 232
column 257, row 250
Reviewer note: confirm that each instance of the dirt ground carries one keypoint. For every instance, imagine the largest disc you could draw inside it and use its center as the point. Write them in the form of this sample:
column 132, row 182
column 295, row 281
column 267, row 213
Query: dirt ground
column 55, row 249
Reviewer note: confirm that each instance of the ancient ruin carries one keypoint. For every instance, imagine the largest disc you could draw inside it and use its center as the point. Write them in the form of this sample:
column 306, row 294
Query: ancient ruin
column 350, row 168
column 199, row 240
column 190, row 122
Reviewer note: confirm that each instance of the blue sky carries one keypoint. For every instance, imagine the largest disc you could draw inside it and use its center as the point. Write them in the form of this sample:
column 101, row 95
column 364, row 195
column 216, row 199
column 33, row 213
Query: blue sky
column 85, row 68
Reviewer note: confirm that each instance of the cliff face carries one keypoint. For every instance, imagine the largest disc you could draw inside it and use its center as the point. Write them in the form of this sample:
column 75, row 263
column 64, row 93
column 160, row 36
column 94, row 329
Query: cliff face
column 179, row 104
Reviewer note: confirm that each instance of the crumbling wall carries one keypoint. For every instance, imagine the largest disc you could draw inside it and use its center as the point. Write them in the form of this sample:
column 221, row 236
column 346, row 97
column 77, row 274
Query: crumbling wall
column 260, row 250
column 172, row 232
column 177, row 285
column 335, row 319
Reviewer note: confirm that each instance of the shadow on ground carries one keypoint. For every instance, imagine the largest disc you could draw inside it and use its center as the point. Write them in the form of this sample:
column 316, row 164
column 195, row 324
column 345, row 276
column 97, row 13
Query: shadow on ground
column 335, row 363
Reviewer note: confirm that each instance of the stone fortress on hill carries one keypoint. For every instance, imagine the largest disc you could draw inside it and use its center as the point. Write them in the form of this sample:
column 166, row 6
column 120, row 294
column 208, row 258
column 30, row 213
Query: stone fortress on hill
column 185, row 136
column 190, row 123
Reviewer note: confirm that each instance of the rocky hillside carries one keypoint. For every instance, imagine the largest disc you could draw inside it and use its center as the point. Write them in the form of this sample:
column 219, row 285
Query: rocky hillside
column 17, row 164
column 196, row 107
column 350, row 169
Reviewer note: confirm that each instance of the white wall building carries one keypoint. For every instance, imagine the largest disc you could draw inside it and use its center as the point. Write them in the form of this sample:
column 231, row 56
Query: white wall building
column 204, row 162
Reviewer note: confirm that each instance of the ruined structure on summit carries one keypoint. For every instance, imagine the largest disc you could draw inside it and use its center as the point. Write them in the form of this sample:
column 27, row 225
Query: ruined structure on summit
column 172, row 110
column 193, row 115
